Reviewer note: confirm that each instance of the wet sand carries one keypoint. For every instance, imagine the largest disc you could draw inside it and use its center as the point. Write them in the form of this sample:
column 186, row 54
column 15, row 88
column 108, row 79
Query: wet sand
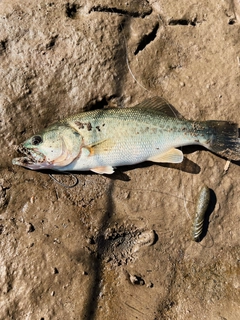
column 120, row 246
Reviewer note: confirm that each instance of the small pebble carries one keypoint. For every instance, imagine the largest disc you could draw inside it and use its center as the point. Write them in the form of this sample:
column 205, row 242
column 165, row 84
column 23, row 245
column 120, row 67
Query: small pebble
column 136, row 280
column 55, row 270
column 149, row 285
column 30, row 228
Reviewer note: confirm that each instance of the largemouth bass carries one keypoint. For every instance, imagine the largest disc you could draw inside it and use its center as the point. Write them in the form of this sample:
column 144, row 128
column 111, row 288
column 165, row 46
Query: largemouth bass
column 100, row 140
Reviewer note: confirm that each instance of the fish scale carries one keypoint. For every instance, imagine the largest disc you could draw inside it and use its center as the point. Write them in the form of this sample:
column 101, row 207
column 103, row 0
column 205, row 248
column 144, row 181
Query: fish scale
column 131, row 143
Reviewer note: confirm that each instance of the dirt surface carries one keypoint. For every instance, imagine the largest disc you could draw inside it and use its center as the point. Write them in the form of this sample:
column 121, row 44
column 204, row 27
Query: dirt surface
column 120, row 246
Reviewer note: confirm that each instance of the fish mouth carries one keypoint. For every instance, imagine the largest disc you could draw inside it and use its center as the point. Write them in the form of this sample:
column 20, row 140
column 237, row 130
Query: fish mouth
column 33, row 159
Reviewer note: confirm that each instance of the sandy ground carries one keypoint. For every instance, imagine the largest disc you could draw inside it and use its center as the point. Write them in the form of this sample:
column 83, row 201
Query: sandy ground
column 118, row 247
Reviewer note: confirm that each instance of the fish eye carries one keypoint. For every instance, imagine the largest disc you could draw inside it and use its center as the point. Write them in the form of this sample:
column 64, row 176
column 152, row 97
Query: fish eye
column 36, row 140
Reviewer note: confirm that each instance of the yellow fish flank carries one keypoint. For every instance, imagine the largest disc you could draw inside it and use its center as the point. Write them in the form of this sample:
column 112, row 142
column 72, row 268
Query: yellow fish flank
column 100, row 140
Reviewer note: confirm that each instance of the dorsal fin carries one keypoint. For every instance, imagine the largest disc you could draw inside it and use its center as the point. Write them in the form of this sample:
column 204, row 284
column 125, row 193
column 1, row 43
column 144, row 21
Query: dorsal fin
column 161, row 105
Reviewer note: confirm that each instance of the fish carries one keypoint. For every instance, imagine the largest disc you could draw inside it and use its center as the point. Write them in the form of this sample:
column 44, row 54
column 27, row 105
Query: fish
column 101, row 140
column 201, row 208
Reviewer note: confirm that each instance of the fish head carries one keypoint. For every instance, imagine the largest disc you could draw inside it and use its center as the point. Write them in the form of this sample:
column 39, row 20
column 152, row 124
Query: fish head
column 53, row 148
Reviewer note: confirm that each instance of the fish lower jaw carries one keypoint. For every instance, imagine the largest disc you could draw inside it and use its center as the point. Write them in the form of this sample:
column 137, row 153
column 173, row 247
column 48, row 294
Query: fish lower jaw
column 30, row 164
column 33, row 159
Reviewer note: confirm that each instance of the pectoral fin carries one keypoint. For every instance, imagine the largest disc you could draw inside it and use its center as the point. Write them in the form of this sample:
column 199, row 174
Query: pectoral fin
column 171, row 156
column 100, row 147
column 102, row 170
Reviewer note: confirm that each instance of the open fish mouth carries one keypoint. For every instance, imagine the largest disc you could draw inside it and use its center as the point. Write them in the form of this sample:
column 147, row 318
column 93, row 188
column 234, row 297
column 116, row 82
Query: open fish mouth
column 33, row 159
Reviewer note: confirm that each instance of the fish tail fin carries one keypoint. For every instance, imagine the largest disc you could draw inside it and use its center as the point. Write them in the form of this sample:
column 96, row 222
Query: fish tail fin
column 223, row 139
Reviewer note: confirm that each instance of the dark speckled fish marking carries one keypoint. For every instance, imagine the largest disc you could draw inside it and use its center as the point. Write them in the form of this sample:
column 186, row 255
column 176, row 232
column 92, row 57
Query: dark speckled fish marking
column 82, row 125
column 79, row 124
column 89, row 126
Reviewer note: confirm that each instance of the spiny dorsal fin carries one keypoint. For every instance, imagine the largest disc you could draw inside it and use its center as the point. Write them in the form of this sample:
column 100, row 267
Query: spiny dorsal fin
column 161, row 105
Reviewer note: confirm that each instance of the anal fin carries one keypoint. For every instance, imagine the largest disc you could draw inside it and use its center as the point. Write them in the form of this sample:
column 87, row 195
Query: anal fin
column 171, row 156
column 103, row 170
